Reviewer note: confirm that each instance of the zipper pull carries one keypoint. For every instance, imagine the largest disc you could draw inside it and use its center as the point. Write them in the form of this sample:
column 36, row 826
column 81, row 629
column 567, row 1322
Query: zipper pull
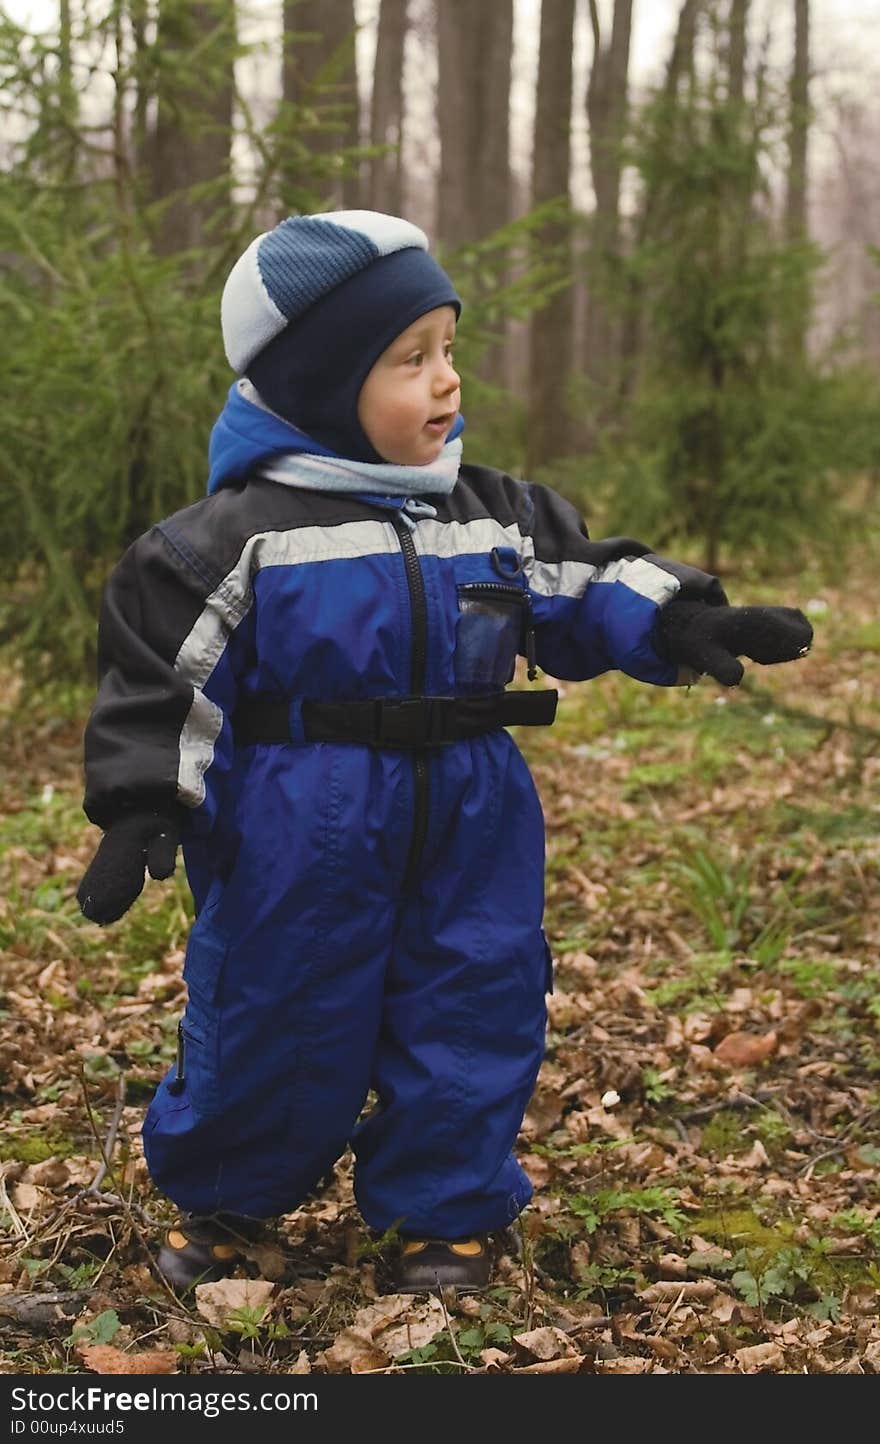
column 531, row 663
column 178, row 1083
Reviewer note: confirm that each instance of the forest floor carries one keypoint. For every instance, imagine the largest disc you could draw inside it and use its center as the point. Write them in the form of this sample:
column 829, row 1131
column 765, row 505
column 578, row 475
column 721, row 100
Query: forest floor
column 704, row 1139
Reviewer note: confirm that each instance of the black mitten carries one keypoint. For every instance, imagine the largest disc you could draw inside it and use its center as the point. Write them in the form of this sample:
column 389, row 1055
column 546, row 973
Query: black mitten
column 710, row 639
column 115, row 876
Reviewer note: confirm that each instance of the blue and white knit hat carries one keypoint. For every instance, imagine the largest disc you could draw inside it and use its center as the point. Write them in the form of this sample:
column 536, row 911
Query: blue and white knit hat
column 310, row 306
column 288, row 269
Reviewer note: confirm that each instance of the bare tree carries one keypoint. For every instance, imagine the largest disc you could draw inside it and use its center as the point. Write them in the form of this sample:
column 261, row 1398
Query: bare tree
column 455, row 38
column 736, row 56
column 681, row 59
column 67, row 101
column 190, row 144
column 318, row 71
column 680, row 64
column 606, row 113
column 386, row 110
column 474, row 49
column 490, row 117
column 550, row 352
column 798, row 133
column 846, row 221
column 799, row 121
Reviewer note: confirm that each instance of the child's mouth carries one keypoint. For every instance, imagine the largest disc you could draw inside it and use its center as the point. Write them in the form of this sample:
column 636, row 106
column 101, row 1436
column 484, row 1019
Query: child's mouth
column 440, row 424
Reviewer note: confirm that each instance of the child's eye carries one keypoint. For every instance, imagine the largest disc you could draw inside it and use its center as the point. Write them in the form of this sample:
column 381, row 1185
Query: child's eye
column 415, row 359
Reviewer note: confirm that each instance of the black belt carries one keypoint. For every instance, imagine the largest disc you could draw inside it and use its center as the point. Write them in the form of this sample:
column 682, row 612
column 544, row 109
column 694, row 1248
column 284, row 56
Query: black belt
column 395, row 721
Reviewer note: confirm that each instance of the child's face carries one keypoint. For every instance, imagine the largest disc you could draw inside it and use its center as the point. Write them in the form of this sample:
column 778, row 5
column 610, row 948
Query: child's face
column 412, row 394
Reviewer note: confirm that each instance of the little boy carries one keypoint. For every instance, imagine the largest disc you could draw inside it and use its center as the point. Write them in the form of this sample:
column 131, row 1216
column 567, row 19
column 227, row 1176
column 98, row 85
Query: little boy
column 303, row 680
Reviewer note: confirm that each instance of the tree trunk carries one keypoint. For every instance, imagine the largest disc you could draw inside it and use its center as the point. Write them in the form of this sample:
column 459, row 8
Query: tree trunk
column 67, row 102
column 474, row 49
column 318, row 72
column 796, row 192
column 191, row 141
column 550, row 357
column 736, row 64
column 489, row 141
column 796, row 197
column 606, row 113
column 140, row 136
column 680, row 63
column 455, row 41
column 386, row 110
column 682, row 58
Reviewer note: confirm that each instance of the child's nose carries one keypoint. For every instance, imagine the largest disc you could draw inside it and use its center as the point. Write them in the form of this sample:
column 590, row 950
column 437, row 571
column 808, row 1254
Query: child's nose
column 448, row 379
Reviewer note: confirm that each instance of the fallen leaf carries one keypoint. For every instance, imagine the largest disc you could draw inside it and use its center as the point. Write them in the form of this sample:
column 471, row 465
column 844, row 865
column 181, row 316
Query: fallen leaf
column 415, row 1327
column 760, row 1356
column 546, row 1343
column 569, row 1365
column 383, row 1331
column 104, row 1359
column 353, row 1353
column 662, row 1347
column 51, row 1173
column 494, row 1358
column 673, row 1266
column 215, row 1302
column 301, row 1364
column 744, row 1050
column 723, row 1308
column 26, row 1196
column 757, row 1157
column 629, row 1364
column 270, row 1260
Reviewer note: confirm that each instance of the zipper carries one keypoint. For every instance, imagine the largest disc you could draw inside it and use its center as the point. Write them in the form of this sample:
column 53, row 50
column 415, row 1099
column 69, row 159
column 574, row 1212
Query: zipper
column 178, row 1083
column 505, row 592
column 418, row 665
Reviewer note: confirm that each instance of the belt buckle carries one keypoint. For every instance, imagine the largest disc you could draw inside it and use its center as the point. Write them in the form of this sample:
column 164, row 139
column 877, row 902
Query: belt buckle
column 403, row 722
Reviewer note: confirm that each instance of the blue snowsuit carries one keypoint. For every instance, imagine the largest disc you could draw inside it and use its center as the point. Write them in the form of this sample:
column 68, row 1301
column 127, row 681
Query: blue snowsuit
column 368, row 918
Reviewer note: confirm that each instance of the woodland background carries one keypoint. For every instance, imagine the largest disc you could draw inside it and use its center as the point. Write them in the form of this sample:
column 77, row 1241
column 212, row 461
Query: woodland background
column 671, row 316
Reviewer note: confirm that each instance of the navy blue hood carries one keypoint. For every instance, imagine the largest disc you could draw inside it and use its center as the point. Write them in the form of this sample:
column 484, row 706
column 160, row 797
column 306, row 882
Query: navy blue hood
column 246, row 434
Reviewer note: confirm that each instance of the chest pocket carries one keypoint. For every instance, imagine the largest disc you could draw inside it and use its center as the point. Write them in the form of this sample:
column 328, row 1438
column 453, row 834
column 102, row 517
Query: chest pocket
column 488, row 634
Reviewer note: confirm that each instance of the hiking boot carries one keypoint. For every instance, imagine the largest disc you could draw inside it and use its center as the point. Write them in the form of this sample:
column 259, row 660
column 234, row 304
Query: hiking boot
column 199, row 1250
column 434, row 1263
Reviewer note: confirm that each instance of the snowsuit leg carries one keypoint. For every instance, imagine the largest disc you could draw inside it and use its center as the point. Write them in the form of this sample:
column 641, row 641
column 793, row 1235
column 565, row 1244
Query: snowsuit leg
column 285, row 969
column 464, row 1017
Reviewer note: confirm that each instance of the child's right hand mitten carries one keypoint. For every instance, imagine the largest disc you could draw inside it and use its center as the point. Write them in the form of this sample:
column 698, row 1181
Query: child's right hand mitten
column 115, row 876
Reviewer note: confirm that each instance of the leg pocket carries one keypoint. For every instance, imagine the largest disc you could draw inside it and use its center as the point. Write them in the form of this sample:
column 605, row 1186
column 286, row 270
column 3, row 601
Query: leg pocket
column 200, row 1025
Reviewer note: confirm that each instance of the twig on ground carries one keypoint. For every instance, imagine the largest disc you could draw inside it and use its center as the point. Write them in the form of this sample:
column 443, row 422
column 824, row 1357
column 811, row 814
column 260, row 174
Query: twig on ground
column 395, row 1368
column 7, row 1205
column 110, row 1143
column 449, row 1329
column 125, row 1205
column 732, row 1101
column 763, row 698
column 840, row 1146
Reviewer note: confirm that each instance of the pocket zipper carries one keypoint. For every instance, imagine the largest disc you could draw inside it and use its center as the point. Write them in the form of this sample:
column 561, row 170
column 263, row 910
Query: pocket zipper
column 505, row 592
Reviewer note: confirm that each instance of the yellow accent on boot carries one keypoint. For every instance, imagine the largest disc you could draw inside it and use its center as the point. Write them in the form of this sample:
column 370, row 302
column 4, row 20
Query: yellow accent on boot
column 224, row 1251
column 465, row 1248
column 175, row 1239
